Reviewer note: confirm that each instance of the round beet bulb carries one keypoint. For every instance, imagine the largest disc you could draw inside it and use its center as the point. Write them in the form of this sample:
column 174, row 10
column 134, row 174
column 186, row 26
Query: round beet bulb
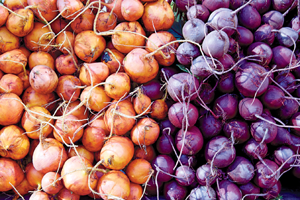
column 266, row 173
column 185, row 175
column 237, row 129
column 241, row 171
column 250, row 190
column 226, row 83
column 249, row 107
column 220, row 152
column 210, row 126
column 229, row 190
column 273, row 98
column 226, row 106
column 203, row 192
column 172, row 190
column 205, row 176
column 164, row 144
column 163, row 163
column 186, row 52
column 255, row 149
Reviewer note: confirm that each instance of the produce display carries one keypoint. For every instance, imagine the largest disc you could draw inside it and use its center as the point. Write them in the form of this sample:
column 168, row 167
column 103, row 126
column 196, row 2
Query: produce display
column 149, row 99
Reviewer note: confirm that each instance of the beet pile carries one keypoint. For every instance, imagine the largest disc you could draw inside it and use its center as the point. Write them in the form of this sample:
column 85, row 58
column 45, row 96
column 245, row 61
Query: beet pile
column 106, row 100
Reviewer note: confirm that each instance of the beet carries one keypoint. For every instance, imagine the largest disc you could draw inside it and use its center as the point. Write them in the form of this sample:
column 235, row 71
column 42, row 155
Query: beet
column 152, row 90
column 287, row 36
column 289, row 107
column 273, row 18
column 237, row 129
column 273, row 98
column 262, row 130
column 166, row 164
column 273, row 192
column 202, row 66
column 193, row 141
column 204, row 175
column 264, row 176
column 263, row 50
column 248, row 189
column 295, row 121
column 167, row 72
column 283, row 137
column 226, row 83
column 249, row 17
column 210, row 126
column 250, row 78
column 203, row 192
column 166, row 127
column 198, row 11
column 241, row 171
column 194, row 30
column 220, row 152
column 216, row 44
column 164, row 144
column 264, row 34
column 151, row 188
column 249, row 107
column 186, row 52
column 282, row 155
column 190, row 161
column 282, row 56
column 261, row 6
column 182, row 86
column 287, row 81
column 245, row 36
column 183, row 114
column 228, row 190
column 185, row 175
column 207, row 93
column 172, row 190
column 255, row 149
column 226, row 106
column 213, row 5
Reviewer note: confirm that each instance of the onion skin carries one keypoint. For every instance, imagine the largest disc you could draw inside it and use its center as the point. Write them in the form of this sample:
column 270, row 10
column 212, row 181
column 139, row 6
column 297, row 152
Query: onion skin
column 10, row 172
column 114, row 183
column 11, row 109
column 13, row 142
column 48, row 155
column 75, row 176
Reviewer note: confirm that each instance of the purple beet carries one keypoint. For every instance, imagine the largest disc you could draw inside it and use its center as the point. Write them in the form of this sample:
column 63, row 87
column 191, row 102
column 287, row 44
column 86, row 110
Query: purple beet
column 241, row 171
column 249, row 107
column 263, row 50
column 273, row 18
column 261, row 6
column 206, row 175
column 186, row 52
column 273, row 98
column 182, row 86
column 287, row 81
column 266, row 173
column 183, row 115
column 226, row 83
column 207, row 93
column 282, row 155
column 250, row 190
column 194, row 30
column 289, row 107
column 163, row 163
column 228, row 190
column 287, row 36
column 262, row 130
column 202, row 67
column 213, row 5
column 216, row 44
column 282, row 56
column 226, row 106
column 203, row 192
column 164, row 144
column 282, row 5
column 237, row 129
column 210, row 126
column 166, row 127
column 183, row 5
column 227, row 61
column 264, row 34
column 167, row 72
column 220, row 152
column 245, row 36
column 151, row 188
column 198, row 11
column 190, row 161
column 283, row 137
column 250, row 80
column 249, row 17
column 273, row 192
column 190, row 142
column 172, row 190
column 185, row 175
column 295, row 121
column 152, row 90
column 255, row 150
